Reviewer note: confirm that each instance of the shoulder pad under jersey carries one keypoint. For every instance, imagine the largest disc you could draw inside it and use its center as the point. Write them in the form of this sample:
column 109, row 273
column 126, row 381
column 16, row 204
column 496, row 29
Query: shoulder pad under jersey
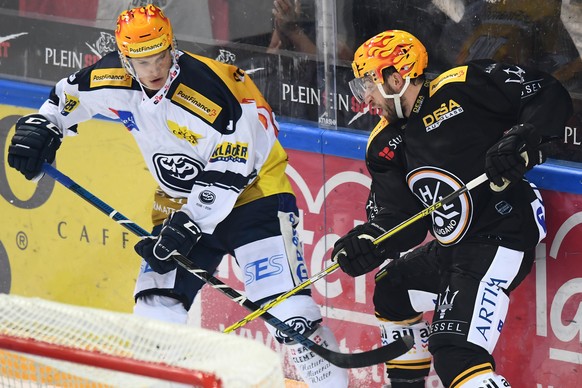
column 201, row 89
column 454, row 75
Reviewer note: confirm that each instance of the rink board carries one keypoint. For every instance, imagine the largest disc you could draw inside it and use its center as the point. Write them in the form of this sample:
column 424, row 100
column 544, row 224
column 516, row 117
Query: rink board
column 56, row 246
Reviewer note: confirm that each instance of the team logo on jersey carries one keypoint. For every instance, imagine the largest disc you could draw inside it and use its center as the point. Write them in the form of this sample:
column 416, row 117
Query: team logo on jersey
column 177, row 171
column 230, row 152
column 300, row 324
column 196, row 102
column 458, row 74
column 109, row 77
column 451, row 221
column 207, row 197
column 71, row 103
column 126, row 118
column 183, row 133
column 442, row 113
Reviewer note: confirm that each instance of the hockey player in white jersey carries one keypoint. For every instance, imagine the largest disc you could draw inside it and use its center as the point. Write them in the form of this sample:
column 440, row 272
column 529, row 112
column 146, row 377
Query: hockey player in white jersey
column 209, row 139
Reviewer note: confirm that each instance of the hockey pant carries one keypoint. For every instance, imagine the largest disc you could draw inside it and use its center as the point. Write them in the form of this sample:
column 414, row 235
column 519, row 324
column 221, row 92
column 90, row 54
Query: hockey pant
column 467, row 287
column 262, row 237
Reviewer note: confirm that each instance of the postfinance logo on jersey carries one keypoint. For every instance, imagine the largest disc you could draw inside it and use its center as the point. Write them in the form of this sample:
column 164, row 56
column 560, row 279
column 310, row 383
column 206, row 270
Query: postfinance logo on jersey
column 457, row 74
column 196, row 102
column 109, row 77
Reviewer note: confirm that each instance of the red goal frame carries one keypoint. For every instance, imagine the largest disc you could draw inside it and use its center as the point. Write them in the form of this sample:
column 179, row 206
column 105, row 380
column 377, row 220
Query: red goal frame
column 105, row 361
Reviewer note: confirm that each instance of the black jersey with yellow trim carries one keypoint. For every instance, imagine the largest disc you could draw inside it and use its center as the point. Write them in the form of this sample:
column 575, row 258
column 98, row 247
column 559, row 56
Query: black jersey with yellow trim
column 464, row 112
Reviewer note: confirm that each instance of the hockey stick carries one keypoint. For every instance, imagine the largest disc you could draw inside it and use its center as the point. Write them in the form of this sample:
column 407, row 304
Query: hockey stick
column 342, row 360
column 425, row 212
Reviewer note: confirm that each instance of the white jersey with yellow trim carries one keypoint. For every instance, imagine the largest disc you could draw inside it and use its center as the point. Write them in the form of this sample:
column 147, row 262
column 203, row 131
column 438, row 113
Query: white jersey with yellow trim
column 208, row 135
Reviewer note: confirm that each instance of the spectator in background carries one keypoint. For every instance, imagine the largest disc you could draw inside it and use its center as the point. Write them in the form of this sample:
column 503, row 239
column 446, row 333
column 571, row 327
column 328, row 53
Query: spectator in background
column 525, row 32
column 71, row 9
column 191, row 20
column 370, row 17
column 294, row 26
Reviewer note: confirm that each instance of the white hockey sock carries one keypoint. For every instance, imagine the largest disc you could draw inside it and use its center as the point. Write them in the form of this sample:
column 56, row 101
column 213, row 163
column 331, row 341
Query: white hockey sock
column 162, row 308
column 300, row 312
column 314, row 370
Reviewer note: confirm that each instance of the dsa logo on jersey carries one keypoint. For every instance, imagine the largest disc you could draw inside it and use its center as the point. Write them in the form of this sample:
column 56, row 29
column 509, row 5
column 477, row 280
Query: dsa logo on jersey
column 451, row 221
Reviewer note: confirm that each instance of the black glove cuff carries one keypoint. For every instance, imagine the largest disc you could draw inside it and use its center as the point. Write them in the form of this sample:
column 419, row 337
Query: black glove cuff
column 527, row 132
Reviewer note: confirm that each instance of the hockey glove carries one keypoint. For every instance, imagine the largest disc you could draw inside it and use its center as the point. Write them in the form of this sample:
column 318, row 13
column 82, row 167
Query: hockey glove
column 178, row 235
column 356, row 252
column 512, row 156
column 35, row 141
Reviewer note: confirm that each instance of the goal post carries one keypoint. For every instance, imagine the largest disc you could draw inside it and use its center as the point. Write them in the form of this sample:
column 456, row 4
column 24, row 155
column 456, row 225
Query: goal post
column 51, row 344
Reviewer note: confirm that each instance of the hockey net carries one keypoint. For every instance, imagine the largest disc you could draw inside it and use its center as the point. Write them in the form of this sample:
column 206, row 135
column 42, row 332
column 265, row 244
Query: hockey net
column 50, row 344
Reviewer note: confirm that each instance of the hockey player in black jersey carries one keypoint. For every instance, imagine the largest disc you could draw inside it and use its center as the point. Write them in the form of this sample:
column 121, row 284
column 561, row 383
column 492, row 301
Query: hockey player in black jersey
column 435, row 136
column 209, row 139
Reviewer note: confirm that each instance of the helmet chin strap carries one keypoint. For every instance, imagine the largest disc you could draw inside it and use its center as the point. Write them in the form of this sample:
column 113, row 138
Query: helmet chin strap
column 396, row 97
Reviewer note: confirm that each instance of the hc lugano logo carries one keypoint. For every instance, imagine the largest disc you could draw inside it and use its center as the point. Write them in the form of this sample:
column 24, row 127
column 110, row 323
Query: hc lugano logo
column 450, row 221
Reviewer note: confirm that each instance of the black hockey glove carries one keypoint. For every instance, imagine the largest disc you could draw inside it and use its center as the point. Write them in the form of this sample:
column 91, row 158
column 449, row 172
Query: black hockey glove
column 512, row 156
column 179, row 234
column 35, row 141
column 356, row 252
